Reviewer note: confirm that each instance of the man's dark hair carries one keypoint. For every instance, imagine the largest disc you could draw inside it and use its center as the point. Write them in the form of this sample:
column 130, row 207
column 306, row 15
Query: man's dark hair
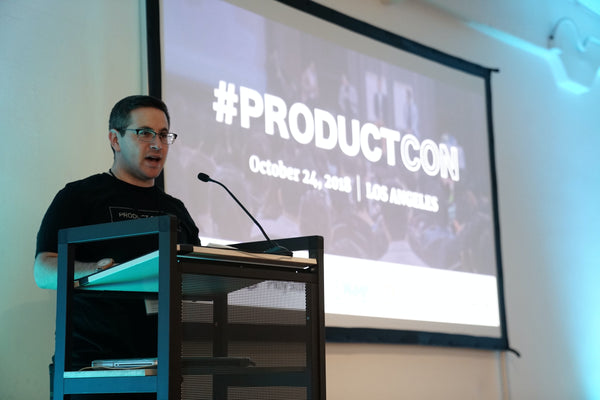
column 119, row 116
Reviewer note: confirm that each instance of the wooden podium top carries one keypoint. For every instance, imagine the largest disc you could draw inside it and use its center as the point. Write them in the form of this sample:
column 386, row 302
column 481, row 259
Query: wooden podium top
column 141, row 274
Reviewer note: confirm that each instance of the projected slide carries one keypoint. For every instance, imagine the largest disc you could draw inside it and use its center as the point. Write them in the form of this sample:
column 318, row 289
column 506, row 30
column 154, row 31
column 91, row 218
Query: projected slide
column 324, row 132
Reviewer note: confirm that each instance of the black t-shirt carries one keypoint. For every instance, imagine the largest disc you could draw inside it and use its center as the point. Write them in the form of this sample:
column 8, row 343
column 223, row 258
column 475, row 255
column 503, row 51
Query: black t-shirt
column 103, row 198
column 111, row 324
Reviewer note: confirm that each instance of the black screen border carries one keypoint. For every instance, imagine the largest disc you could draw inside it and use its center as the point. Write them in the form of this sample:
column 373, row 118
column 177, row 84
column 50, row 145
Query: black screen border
column 372, row 335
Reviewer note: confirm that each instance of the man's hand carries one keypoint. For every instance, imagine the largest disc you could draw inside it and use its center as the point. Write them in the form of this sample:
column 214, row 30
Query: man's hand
column 46, row 266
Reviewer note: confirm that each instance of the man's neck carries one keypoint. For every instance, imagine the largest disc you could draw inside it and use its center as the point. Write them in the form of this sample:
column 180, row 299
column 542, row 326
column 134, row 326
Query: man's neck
column 121, row 175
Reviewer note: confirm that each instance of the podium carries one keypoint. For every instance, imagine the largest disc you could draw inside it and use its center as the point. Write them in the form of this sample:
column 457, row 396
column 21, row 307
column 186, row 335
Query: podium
column 232, row 323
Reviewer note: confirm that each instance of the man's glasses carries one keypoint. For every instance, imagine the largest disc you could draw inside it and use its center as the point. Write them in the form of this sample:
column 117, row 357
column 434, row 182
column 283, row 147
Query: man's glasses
column 148, row 135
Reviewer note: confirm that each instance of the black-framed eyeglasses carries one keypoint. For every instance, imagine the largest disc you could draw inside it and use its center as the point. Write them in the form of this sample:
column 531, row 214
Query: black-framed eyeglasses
column 148, row 135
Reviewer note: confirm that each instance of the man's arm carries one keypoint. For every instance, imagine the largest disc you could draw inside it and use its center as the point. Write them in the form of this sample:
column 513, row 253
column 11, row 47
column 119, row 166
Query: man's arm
column 45, row 269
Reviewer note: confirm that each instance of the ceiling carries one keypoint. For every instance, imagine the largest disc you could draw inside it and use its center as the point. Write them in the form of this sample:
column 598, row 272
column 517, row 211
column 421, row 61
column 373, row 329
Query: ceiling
column 570, row 27
column 529, row 20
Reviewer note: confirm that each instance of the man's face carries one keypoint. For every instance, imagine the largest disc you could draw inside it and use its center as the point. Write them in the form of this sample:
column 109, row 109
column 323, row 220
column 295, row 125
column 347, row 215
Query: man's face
column 138, row 162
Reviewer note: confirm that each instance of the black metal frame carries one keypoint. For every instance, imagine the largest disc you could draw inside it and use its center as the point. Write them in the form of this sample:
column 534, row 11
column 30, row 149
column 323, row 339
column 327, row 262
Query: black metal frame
column 167, row 382
column 164, row 383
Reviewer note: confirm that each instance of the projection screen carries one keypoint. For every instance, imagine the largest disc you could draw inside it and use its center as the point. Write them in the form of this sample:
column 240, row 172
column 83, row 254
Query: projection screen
column 384, row 149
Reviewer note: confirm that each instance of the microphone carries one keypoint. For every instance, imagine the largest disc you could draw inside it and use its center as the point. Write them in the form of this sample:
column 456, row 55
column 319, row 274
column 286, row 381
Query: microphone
column 275, row 249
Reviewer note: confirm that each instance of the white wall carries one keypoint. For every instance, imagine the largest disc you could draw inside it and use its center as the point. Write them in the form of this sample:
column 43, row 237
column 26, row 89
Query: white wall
column 64, row 63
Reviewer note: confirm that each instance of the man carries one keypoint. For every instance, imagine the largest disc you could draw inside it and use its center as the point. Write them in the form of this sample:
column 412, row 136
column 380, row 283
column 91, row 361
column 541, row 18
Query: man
column 115, row 325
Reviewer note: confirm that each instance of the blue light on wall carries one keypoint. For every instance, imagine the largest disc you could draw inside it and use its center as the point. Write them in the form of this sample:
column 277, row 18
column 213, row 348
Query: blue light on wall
column 574, row 70
column 592, row 5
column 574, row 60
column 578, row 285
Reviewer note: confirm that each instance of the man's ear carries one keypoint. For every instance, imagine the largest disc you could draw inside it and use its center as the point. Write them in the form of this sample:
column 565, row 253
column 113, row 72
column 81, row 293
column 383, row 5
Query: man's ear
column 113, row 137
